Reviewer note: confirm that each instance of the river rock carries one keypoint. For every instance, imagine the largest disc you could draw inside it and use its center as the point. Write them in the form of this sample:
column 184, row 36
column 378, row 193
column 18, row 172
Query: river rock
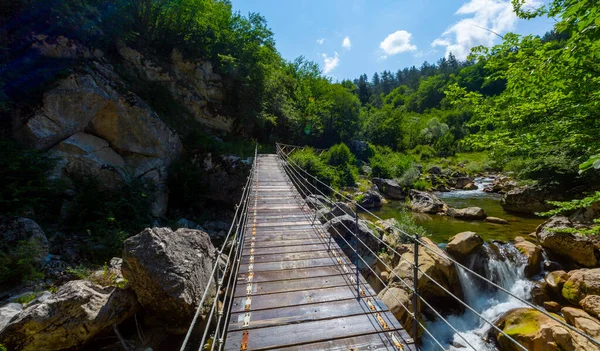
column 555, row 281
column 400, row 302
column 577, row 248
column 526, row 199
column 371, row 199
column 462, row 182
column 537, row 332
column 338, row 209
column 462, row 244
column 436, row 265
column 582, row 321
column 14, row 231
column 533, row 253
column 581, row 283
column 591, row 304
column 316, row 202
column 70, row 318
column 467, row 213
column 552, row 306
column 169, row 271
column 421, row 201
column 496, row 220
column 390, row 188
column 470, row 186
column 435, row 170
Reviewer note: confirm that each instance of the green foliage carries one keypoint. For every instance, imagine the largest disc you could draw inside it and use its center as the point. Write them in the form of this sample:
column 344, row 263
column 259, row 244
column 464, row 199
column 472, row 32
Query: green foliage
column 27, row 298
column 422, row 185
column 308, row 160
column 410, row 176
column 388, row 164
column 18, row 263
column 24, row 178
column 2, row 348
column 423, row 152
column 105, row 218
column 569, row 206
column 339, row 155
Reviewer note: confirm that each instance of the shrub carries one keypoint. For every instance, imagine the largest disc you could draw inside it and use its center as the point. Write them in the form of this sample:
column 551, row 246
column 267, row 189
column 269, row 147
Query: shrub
column 422, row 185
column 24, row 178
column 409, row 177
column 339, row 155
column 388, row 164
column 308, row 160
column 18, row 264
column 424, row 152
column 107, row 217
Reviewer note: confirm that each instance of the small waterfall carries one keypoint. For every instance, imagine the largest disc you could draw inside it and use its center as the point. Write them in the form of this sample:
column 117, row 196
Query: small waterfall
column 503, row 265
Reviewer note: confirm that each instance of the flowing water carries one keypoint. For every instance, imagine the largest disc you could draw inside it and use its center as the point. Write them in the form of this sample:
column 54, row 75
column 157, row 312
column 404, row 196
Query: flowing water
column 503, row 265
column 442, row 228
column 500, row 263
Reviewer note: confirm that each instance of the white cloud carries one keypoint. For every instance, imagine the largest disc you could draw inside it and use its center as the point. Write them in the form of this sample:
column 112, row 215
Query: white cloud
column 330, row 62
column 487, row 17
column 320, row 41
column 396, row 43
column 346, row 43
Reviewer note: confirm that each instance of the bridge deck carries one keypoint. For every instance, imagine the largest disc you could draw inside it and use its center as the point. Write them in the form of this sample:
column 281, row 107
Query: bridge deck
column 292, row 292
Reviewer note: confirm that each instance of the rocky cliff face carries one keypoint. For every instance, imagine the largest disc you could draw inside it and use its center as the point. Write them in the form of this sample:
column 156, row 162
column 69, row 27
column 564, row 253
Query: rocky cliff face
column 96, row 127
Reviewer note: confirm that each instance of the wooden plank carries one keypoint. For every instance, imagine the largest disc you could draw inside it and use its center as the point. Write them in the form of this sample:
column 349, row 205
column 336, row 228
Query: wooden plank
column 295, row 264
column 295, row 298
column 309, row 332
column 379, row 341
column 298, row 314
column 286, row 249
column 314, row 272
column 278, row 286
column 288, row 257
column 282, row 243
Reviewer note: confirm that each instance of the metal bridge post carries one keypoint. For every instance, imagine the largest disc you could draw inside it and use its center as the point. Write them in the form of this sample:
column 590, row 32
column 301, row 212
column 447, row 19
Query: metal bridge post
column 356, row 250
column 415, row 298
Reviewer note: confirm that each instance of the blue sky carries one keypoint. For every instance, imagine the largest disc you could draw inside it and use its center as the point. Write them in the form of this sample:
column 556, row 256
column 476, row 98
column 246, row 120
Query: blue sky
column 351, row 37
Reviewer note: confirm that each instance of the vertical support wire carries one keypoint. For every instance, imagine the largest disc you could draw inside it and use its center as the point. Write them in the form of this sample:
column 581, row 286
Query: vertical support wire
column 356, row 252
column 415, row 298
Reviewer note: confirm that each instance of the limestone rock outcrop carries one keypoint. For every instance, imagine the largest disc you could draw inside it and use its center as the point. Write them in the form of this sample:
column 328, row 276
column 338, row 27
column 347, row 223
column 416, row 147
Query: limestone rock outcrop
column 421, row 201
column 537, row 332
column 70, row 318
column 390, row 188
column 576, row 248
column 462, row 244
column 169, row 270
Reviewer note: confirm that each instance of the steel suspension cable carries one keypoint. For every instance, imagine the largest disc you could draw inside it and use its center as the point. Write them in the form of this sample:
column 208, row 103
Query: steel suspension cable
column 384, row 284
column 454, row 261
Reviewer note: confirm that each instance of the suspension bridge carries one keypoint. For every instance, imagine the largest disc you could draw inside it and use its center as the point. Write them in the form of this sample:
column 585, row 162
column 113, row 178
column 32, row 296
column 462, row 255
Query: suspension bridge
column 289, row 284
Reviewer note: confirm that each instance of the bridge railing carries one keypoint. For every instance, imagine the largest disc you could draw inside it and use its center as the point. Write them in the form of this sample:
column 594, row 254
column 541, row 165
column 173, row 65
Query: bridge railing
column 307, row 185
column 222, row 278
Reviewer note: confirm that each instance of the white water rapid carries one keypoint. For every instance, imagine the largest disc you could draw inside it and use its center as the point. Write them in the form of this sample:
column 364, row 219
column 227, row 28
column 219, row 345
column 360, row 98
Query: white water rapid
column 505, row 267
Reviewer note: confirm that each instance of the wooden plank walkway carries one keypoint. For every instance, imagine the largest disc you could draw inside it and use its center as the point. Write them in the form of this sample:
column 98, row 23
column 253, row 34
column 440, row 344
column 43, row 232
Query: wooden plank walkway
column 293, row 293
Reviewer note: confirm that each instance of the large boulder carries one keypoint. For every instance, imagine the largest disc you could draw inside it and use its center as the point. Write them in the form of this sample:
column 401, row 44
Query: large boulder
column 371, row 199
column 399, row 300
column 526, row 199
column 70, row 318
column 533, row 253
column 462, row 244
column 555, row 281
column 462, row 182
column 537, row 332
column 224, row 177
column 467, row 213
column 338, row 209
column 389, row 188
column 576, row 248
column 580, row 284
column 582, row 321
column 421, row 201
column 435, row 263
column 18, row 230
column 169, row 271
column 316, row 202
column 591, row 304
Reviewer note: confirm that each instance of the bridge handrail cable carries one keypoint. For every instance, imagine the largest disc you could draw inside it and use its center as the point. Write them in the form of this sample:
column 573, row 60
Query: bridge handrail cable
column 297, row 169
